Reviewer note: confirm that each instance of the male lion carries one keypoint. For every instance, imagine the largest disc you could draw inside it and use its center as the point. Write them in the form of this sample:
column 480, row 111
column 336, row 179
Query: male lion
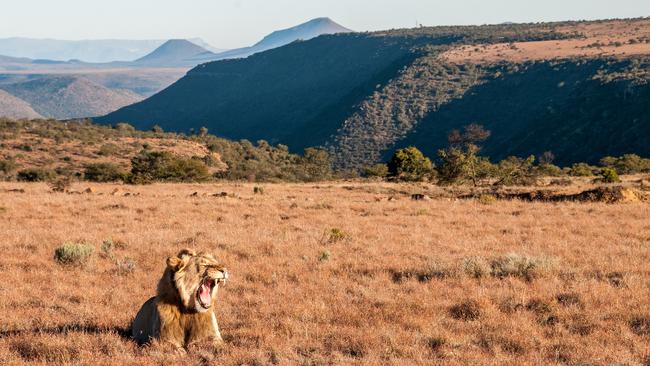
column 182, row 312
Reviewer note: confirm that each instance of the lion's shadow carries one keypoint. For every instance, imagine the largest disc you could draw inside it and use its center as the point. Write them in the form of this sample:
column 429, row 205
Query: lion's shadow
column 65, row 329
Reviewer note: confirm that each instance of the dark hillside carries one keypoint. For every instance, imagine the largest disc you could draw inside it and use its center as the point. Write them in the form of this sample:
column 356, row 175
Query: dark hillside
column 276, row 94
column 563, row 107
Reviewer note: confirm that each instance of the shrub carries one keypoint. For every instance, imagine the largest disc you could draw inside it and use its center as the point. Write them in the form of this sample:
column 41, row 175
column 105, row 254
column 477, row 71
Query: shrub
column 582, row 170
column 35, row 175
column 516, row 171
column 469, row 310
column 124, row 266
column 108, row 149
column 104, row 172
column 514, row 265
column 627, row 164
column 609, row 175
column 150, row 166
column 476, row 267
column 487, row 199
column 336, row 235
column 640, row 325
column 409, row 164
column 61, row 184
column 325, row 256
column 258, row 190
column 549, row 170
column 376, row 171
column 8, row 166
column 73, row 254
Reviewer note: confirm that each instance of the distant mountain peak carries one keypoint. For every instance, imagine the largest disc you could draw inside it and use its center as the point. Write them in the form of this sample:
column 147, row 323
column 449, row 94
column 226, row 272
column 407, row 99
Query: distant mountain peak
column 305, row 31
column 172, row 52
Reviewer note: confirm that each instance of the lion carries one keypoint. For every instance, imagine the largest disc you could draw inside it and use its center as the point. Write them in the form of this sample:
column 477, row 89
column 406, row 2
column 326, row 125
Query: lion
column 182, row 312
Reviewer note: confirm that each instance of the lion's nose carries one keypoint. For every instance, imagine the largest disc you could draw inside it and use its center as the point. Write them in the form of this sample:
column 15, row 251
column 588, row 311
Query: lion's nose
column 224, row 275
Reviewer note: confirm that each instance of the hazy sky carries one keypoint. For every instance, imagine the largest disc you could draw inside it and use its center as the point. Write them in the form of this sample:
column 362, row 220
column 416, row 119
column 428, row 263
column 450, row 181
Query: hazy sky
column 234, row 23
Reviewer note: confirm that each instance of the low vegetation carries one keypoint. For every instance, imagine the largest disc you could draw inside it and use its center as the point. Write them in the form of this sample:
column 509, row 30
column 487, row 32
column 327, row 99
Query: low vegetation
column 335, row 273
column 74, row 254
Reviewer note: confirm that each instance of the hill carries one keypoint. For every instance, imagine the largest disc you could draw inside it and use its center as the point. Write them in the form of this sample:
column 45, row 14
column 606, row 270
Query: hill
column 539, row 87
column 306, row 31
column 12, row 107
column 174, row 53
column 69, row 96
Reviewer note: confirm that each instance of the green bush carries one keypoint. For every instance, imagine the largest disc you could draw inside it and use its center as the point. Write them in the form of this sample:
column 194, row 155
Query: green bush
column 152, row 166
column 35, row 175
column 516, row 171
column 609, row 175
column 627, row 164
column 582, row 170
column 409, row 164
column 7, row 167
column 104, row 172
column 108, row 149
column 376, row 171
column 75, row 254
column 549, row 170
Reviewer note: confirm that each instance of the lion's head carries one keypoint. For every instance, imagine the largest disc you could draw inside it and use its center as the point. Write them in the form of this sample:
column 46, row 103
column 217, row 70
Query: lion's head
column 192, row 279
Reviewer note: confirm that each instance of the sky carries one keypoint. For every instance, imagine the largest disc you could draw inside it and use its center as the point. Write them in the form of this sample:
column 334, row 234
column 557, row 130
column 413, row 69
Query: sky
column 236, row 23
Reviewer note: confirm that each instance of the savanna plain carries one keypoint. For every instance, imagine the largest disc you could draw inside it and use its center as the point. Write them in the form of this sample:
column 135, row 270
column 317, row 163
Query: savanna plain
column 329, row 273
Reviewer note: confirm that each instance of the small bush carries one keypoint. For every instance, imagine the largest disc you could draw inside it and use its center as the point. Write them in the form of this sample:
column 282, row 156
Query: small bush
column 151, row 166
column 75, row 254
column 487, row 199
column 436, row 343
column 523, row 267
column 8, row 166
column 569, row 299
column 609, row 175
column 469, row 310
column 476, row 267
column 335, row 235
column 61, row 184
column 376, row 171
column 325, row 256
column 258, row 190
column 640, row 325
column 125, row 266
column 582, row 170
column 35, row 175
column 104, row 172
column 108, row 150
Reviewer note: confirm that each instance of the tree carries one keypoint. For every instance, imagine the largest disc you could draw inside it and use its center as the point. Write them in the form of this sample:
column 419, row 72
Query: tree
column 149, row 166
column 315, row 164
column 409, row 164
column 104, row 172
column 157, row 129
column 460, row 161
column 516, row 171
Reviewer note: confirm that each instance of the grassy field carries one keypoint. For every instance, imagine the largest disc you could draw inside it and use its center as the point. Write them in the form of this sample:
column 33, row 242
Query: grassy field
column 340, row 273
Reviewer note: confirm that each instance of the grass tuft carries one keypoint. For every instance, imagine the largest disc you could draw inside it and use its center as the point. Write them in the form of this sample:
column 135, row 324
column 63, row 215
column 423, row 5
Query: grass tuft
column 468, row 310
column 74, row 254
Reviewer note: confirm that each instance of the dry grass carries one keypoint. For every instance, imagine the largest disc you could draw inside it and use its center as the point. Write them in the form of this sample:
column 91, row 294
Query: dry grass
column 614, row 38
column 297, row 297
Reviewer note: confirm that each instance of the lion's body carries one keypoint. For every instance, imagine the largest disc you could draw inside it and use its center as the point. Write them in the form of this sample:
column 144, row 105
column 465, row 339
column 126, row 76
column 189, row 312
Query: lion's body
column 173, row 315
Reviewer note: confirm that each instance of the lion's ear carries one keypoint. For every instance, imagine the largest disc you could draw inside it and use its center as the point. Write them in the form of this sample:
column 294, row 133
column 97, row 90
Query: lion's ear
column 180, row 260
column 186, row 253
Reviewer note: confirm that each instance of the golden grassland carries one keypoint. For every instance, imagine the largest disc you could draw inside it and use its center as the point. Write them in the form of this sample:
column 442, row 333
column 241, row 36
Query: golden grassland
column 331, row 273
column 615, row 38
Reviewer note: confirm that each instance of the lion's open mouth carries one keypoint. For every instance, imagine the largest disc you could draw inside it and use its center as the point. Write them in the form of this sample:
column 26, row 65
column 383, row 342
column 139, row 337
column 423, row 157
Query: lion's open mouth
column 204, row 293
